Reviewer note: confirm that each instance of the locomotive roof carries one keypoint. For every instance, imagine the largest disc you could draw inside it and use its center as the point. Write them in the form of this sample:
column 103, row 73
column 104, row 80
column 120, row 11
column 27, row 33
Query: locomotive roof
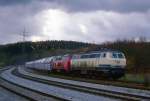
column 101, row 50
column 104, row 51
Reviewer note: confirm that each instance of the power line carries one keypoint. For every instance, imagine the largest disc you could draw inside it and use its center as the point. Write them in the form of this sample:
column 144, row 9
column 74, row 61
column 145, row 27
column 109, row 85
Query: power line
column 24, row 35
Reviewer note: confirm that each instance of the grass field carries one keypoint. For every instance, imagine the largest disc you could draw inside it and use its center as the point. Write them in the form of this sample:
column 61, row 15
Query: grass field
column 137, row 78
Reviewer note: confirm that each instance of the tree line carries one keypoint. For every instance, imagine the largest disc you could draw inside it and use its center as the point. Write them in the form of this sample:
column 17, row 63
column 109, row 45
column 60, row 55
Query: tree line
column 137, row 53
column 17, row 53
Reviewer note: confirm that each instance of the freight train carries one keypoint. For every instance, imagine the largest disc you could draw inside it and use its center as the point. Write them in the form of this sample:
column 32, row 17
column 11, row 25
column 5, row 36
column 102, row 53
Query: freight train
column 110, row 63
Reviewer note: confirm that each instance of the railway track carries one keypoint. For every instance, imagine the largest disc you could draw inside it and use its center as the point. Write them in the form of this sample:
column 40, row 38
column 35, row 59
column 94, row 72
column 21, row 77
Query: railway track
column 70, row 94
column 7, row 86
column 27, row 93
column 91, row 79
column 101, row 92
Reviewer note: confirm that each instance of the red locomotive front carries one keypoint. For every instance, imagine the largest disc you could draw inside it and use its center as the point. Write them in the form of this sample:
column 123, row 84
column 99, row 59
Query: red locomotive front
column 67, row 62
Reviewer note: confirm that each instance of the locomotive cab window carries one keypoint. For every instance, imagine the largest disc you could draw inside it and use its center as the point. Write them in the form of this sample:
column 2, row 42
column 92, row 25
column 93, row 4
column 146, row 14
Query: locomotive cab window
column 117, row 55
column 120, row 55
column 114, row 55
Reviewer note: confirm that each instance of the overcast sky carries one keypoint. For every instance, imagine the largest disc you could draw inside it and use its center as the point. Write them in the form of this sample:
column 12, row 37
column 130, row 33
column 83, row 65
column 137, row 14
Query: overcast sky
column 80, row 20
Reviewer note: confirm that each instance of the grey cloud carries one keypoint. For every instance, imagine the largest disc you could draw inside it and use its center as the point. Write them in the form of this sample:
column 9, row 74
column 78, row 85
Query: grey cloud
column 107, row 5
column 88, row 5
column 13, row 2
column 104, row 19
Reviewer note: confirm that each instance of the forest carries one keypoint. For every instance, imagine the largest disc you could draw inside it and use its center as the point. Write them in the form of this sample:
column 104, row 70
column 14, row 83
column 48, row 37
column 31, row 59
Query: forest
column 136, row 52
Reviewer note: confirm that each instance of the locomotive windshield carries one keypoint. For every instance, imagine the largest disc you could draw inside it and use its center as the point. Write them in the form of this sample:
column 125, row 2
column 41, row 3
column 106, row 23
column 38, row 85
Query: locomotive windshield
column 117, row 55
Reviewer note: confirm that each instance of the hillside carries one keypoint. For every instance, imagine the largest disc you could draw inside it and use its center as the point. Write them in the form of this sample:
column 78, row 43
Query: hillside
column 137, row 53
column 17, row 53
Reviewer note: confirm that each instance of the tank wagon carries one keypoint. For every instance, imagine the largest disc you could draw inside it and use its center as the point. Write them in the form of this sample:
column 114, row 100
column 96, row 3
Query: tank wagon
column 45, row 64
column 110, row 63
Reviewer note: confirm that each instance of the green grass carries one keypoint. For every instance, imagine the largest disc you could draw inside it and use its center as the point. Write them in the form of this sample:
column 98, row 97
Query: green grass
column 136, row 78
column 1, row 64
